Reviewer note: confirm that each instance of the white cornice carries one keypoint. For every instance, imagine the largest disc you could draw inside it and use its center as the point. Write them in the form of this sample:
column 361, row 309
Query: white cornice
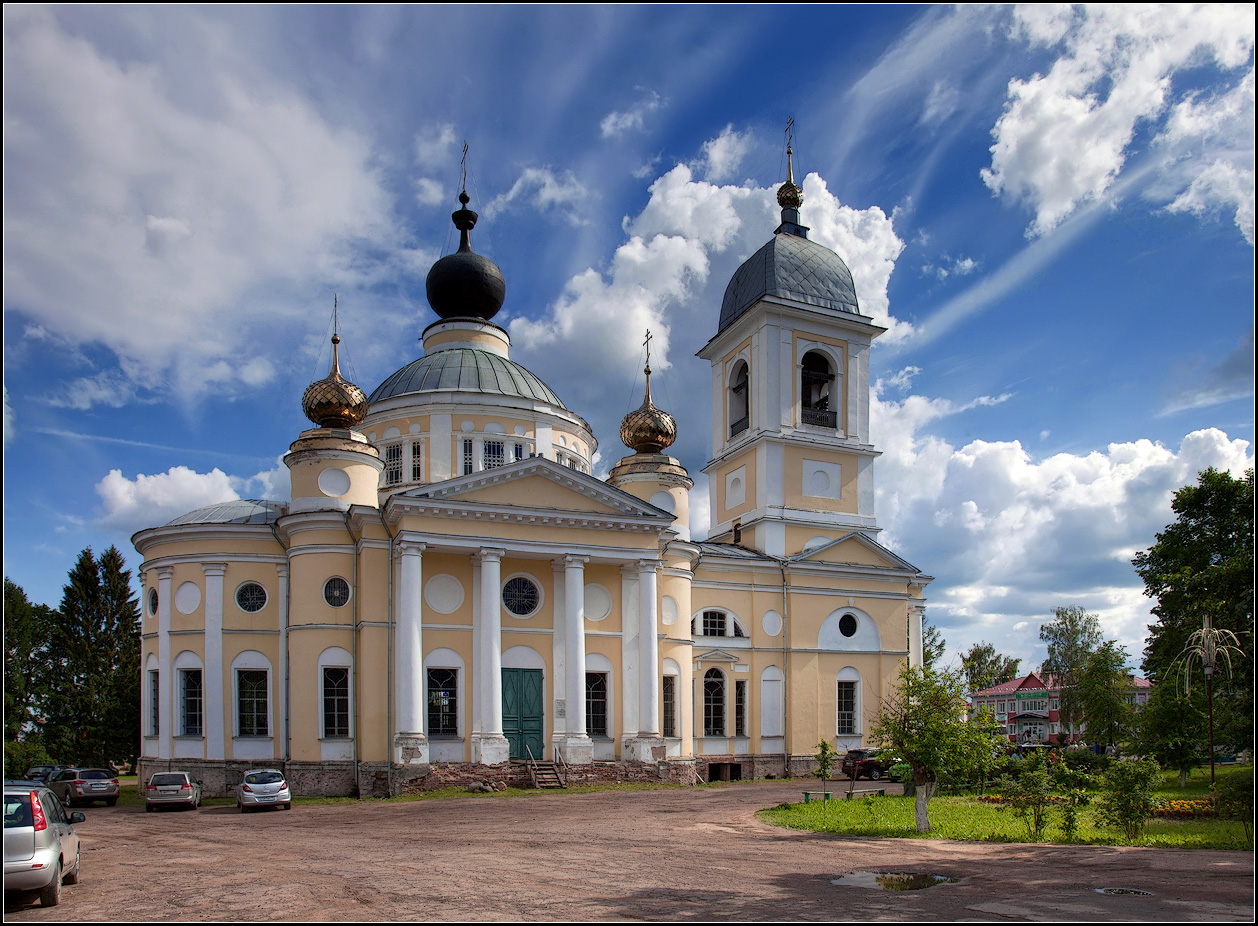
column 181, row 533
column 211, row 557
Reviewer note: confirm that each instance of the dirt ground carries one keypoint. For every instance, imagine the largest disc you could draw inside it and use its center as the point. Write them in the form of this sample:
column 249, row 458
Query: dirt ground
column 687, row 854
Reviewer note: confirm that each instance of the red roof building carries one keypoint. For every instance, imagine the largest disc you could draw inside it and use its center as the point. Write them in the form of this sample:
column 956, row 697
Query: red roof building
column 1027, row 708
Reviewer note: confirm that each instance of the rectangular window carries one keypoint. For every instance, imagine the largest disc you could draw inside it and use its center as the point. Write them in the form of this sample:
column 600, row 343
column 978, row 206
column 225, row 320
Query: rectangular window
column 495, row 453
column 190, row 702
column 469, row 461
column 417, row 458
column 336, row 702
column 847, row 709
column 669, row 704
column 155, row 703
column 596, row 703
column 251, row 702
column 740, row 708
column 713, row 703
column 519, row 451
column 393, row 464
column 714, row 623
column 443, row 702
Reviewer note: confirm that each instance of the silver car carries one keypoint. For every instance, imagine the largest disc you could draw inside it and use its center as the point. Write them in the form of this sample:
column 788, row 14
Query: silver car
column 177, row 789
column 263, row 787
column 41, row 849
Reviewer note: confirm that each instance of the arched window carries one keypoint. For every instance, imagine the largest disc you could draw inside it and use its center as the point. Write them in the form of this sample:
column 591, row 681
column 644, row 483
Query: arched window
column 739, row 400
column 716, row 624
column 714, row 703
column 817, row 405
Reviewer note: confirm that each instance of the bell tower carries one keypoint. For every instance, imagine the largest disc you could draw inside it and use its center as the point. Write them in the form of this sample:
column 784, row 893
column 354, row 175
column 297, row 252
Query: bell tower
column 791, row 461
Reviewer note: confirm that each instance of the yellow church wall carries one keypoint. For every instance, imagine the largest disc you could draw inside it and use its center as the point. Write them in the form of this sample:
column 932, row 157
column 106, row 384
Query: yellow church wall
column 372, row 690
column 363, row 478
column 719, row 484
column 507, row 532
column 305, row 644
column 537, row 492
column 308, row 573
column 793, row 489
column 234, row 617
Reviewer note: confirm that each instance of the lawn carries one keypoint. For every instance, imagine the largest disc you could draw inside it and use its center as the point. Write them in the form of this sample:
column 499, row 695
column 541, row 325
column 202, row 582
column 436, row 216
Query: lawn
column 967, row 817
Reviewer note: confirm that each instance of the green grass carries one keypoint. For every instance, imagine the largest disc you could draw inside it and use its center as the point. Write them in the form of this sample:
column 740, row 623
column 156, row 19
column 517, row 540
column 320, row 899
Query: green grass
column 964, row 817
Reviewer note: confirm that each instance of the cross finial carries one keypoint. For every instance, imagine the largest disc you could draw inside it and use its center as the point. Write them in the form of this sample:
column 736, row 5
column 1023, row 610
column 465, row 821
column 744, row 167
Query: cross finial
column 647, row 344
column 463, row 165
column 790, row 137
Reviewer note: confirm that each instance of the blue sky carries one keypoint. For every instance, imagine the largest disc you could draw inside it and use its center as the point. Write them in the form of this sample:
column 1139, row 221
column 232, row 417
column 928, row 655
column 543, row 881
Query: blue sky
column 1051, row 209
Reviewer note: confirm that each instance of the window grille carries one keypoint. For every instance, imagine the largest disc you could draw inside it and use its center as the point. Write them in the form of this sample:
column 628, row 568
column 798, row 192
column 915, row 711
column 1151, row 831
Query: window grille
column 417, row 459
column 443, row 702
column 739, row 405
column 596, row 703
column 155, row 699
column 714, row 623
column 251, row 597
column 519, row 451
column 740, row 708
column 393, row 464
column 669, row 703
column 495, row 453
column 336, row 701
column 251, row 702
column 847, row 709
column 191, row 701
column 816, row 381
column 713, row 703
column 520, row 596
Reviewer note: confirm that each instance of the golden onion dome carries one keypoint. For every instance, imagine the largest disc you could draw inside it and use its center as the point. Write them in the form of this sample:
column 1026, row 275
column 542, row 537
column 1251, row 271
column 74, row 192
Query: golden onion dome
column 790, row 196
column 334, row 402
column 648, row 429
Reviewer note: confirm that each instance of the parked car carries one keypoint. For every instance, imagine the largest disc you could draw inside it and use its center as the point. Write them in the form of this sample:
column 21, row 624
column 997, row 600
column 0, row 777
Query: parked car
column 85, row 785
column 178, row 789
column 42, row 773
column 865, row 763
column 41, row 849
column 263, row 787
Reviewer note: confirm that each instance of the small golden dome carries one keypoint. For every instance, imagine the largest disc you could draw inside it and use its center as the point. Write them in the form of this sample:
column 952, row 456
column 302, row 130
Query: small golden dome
column 790, row 196
column 334, row 402
column 648, row 429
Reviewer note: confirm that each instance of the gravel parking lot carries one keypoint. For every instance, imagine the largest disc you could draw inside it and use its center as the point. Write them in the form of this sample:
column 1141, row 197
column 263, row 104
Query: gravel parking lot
column 683, row 854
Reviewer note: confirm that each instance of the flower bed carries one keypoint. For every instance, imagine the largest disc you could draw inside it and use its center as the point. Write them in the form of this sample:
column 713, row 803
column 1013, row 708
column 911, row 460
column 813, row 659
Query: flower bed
column 1186, row 809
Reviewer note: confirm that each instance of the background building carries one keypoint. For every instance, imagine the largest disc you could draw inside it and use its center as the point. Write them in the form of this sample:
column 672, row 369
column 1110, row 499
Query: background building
column 450, row 587
column 1026, row 708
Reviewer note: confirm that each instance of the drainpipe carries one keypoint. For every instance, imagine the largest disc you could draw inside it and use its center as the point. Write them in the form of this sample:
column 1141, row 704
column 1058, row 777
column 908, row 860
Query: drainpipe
column 288, row 663
column 357, row 728
column 388, row 725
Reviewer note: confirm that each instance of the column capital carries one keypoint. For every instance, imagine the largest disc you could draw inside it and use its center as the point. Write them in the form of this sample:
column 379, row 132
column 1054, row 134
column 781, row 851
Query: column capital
column 573, row 560
column 165, row 572
column 650, row 565
column 281, row 570
column 214, row 569
column 489, row 555
column 409, row 548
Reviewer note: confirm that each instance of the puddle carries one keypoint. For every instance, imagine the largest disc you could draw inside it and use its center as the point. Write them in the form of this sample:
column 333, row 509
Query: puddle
column 1123, row 890
column 892, row 881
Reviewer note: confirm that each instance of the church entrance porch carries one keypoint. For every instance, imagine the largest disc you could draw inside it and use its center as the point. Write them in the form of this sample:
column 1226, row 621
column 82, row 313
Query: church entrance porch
column 522, row 704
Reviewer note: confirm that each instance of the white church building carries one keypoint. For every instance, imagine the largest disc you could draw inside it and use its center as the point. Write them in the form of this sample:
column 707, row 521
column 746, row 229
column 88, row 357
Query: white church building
column 451, row 590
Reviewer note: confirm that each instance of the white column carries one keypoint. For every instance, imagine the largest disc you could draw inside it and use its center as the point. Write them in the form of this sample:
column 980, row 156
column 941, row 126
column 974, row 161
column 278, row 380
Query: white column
column 648, row 745
column 166, row 685
column 490, row 747
column 559, row 647
column 578, row 750
column 630, row 654
column 410, row 745
column 282, row 689
column 915, row 635
column 215, row 735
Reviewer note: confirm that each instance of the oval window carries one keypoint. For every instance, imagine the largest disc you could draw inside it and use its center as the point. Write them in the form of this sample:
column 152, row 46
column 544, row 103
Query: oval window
column 152, row 601
column 251, row 597
column 847, row 625
column 336, row 592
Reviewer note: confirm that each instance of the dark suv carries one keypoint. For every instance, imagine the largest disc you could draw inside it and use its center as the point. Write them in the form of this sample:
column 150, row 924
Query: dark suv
column 865, row 763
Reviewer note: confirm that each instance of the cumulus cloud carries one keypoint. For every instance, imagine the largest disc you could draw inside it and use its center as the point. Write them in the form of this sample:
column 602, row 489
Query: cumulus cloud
column 722, row 156
column 542, row 189
column 962, row 266
column 1011, row 536
column 615, row 124
column 150, row 223
column 1065, row 136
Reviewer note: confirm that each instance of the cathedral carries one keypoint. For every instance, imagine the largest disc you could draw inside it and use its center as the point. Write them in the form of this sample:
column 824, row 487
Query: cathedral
column 450, row 591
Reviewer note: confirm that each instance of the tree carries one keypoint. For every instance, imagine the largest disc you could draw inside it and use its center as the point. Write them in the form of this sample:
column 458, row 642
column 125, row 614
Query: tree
column 1203, row 564
column 1102, row 692
column 984, row 667
column 924, row 722
column 26, row 629
column 1071, row 636
column 1171, row 728
column 933, row 644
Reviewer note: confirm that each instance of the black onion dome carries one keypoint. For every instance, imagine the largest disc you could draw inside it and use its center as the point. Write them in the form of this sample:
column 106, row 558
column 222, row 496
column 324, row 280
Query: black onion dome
column 465, row 284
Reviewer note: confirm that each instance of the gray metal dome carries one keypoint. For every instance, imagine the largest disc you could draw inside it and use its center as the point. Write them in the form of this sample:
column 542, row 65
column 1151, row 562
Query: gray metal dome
column 465, row 369
column 790, row 267
column 241, row 511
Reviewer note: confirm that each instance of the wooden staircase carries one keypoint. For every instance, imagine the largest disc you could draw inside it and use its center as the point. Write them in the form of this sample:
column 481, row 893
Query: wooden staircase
column 545, row 774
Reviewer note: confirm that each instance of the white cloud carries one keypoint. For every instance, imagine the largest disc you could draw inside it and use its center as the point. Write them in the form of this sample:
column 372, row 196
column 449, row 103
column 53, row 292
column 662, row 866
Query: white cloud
column 109, row 388
column 722, row 156
column 1199, row 385
column 963, row 266
column 540, row 188
column 149, row 501
column 429, row 192
column 1010, row 537
column 615, row 124
column 1064, row 136
column 941, row 102
column 158, row 223
column 435, row 145
column 10, row 422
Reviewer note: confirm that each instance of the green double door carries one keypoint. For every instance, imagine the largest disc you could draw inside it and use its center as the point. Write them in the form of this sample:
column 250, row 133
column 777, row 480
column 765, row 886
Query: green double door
column 522, row 724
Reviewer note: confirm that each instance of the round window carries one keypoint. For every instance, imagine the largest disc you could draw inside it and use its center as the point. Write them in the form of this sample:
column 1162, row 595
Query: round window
column 251, row 597
column 847, row 624
column 336, row 592
column 152, row 601
column 520, row 596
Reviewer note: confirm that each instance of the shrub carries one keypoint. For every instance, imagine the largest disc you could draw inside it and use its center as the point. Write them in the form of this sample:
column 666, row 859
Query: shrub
column 1127, row 799
column 1030, row 797
column 19, row 756
column 1234, row 800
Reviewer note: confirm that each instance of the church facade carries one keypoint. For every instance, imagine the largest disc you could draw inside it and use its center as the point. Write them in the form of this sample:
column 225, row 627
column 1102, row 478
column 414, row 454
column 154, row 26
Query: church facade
column 450, row 588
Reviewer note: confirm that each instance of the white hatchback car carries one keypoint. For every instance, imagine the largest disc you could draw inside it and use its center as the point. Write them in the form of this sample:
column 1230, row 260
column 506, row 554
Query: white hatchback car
column 263, row 787
column 41, row 849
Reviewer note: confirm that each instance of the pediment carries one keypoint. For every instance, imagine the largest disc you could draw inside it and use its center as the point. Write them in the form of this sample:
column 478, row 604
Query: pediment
column 716, row 655
column 856, row 549
column 538, row 485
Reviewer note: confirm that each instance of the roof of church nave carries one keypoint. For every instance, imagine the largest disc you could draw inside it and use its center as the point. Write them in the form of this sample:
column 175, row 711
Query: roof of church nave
column 240, row 511
column 790, row 266
column 465, row 369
